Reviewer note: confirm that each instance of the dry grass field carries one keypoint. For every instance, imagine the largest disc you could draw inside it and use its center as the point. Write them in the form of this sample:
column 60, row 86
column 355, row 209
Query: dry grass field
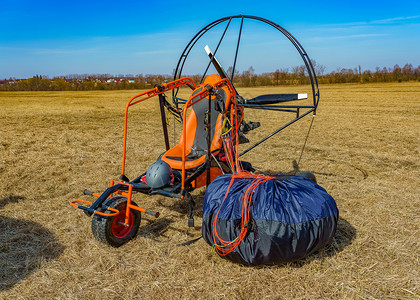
column 363, row 148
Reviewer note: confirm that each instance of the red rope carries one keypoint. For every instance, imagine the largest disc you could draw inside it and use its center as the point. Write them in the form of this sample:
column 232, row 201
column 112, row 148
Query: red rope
column 224, row 247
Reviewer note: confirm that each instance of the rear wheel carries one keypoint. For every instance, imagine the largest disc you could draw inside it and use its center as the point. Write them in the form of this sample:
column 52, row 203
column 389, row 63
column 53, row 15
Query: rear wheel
column 111, row 230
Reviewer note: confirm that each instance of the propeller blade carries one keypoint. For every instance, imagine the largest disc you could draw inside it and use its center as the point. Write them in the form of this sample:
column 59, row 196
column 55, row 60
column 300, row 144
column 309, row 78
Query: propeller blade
column 276, row 98
column 220, row 70
column 215, row 62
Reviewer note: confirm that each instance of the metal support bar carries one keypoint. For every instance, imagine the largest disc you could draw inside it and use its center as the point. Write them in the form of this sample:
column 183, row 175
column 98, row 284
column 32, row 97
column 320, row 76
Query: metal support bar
column 163, row 118
column 104, row 196
column 277, row 131
column 237, row 48
column 215, row 51
column 208, row 128
column 192, row 208
column 260, row 106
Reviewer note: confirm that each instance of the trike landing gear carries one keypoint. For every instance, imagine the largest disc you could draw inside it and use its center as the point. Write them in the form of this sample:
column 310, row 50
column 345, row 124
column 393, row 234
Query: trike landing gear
column 112, row 230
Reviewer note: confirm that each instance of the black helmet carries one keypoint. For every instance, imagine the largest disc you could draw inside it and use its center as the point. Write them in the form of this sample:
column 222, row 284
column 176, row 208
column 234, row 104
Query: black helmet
column 159, row 174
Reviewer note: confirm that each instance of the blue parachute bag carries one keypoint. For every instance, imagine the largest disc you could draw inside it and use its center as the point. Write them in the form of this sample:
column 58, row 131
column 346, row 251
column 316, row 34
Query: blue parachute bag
column 291, row 217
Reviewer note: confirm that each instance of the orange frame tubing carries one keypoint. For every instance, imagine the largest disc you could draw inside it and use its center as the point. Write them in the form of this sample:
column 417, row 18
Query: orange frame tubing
column 147, row 95
column 203, row 94
column 115, row 211
column 128, row 195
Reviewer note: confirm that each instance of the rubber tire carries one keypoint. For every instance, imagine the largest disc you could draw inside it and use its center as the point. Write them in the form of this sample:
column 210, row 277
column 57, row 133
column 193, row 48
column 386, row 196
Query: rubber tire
column 307, row 174
column 102, row 226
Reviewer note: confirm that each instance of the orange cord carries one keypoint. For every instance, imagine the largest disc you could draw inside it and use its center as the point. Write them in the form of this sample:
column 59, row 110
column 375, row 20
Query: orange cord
column 222, row 246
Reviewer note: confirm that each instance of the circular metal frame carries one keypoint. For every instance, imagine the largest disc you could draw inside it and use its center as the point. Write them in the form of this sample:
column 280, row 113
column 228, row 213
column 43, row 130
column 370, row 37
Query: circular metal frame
column 288, row 35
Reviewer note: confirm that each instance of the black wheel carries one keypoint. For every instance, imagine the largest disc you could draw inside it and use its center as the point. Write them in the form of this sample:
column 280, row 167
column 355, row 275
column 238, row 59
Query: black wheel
column 307, row 174
column 111, row 230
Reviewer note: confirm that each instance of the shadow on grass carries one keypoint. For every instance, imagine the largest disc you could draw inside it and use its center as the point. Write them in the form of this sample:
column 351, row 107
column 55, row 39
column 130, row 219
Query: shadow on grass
column 159, row 228
column 182, row 206
column 25, row 246
column 10, row 199
column 155, row 228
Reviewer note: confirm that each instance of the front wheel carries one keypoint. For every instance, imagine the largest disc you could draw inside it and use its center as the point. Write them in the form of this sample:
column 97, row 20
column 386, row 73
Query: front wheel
column 111, row 230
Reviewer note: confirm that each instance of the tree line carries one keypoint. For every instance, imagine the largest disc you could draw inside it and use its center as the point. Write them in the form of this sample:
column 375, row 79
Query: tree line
column 294, row 76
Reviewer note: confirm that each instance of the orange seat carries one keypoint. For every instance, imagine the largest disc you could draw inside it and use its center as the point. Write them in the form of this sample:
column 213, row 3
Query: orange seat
column 196, row 135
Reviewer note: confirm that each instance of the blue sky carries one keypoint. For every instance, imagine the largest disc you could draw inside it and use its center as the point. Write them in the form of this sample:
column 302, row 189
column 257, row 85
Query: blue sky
column 131, row 37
